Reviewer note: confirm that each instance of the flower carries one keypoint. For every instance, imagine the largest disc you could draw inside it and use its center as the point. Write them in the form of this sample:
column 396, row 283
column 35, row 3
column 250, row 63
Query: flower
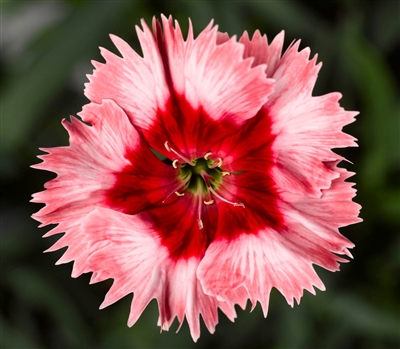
column 249, row 195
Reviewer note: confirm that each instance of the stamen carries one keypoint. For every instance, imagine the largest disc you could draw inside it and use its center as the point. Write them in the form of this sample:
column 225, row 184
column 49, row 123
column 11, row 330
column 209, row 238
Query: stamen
column 207, row 155
column 178, row 154
column 199, row 221
column 166, row 146
column 225, row 174
column 217, row 165
column 174, row 163
column 225, row 200
column 209, row 202
column 176, row 190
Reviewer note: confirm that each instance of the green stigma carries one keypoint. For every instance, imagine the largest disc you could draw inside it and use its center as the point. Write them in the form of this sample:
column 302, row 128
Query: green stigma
column 201, row 176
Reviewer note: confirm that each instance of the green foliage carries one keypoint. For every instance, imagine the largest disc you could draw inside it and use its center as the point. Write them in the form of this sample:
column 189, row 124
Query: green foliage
column 46, row 51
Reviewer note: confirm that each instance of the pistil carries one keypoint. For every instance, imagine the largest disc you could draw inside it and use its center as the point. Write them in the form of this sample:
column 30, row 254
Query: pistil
column 206, row 177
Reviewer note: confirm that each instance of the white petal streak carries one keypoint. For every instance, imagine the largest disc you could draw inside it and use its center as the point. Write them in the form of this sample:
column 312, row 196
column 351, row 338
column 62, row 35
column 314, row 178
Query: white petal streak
column 126, row 249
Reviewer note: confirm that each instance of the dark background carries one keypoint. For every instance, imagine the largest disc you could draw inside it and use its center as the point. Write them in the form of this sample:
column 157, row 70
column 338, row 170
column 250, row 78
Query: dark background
column 46, row 51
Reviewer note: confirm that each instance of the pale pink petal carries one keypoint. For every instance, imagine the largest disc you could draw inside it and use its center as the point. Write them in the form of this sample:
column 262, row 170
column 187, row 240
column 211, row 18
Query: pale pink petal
column 256, row 264
column 137, row 84
column 128, row 250
column 303, row 148
column 208, row 75
column 306, row 127
column 261, row 51
column 282, row 257
column 86, row 172
column 214, row 76
column 320, row 218
column 222, row 37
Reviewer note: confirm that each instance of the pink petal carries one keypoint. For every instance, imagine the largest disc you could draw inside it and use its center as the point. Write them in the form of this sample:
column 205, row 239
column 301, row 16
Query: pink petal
column 306, row 127
column 301, row 146
column 320, row 218
column 136, row 84
column 262, row 52
column 88, row 170
column 256, row 264
column 198, row 93
column 303, row 149
column 222, row 37
column 128, row 250
column 256, row 257
column 213, row 75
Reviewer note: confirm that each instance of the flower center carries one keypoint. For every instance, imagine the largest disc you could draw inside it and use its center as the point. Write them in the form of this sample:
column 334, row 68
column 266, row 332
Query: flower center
column 202, row 177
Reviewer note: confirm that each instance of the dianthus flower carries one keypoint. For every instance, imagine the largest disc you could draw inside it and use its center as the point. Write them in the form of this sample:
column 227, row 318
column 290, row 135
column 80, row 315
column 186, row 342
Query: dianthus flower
column 249, row 195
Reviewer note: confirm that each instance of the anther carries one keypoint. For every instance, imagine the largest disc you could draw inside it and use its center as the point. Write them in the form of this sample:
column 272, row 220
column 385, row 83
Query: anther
column 190, row 162
column 207, row 155
column 174, row 163
column 217, row 165
column 166, row 146
column 225, row 174
column 175, row 191
column 209, row 202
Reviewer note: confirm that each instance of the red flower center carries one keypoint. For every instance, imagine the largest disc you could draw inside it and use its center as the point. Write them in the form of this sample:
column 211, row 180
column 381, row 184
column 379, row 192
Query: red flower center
column 213, row 169
column 202, row 177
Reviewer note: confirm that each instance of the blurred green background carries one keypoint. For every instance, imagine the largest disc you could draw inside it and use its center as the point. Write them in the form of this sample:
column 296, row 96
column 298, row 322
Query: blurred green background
column 46, row 51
